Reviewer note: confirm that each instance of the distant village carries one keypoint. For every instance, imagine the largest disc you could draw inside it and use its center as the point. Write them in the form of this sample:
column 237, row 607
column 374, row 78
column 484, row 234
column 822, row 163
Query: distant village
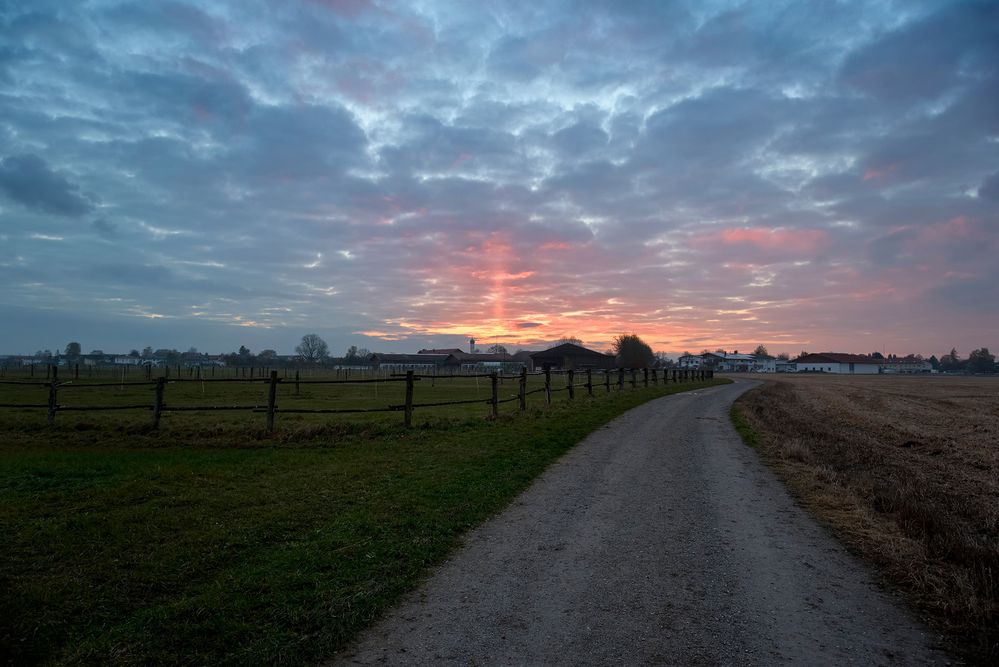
column 565, row 354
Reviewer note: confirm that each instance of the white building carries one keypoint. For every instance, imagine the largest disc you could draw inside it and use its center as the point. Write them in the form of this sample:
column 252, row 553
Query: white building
column 835, row 362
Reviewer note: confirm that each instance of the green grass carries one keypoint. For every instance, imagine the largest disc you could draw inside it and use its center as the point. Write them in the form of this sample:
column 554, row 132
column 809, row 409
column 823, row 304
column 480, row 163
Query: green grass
column 214, row 543
column 743, row 427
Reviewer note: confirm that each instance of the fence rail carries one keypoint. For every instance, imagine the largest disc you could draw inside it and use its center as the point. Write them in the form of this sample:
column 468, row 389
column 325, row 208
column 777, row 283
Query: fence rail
column 616, row 378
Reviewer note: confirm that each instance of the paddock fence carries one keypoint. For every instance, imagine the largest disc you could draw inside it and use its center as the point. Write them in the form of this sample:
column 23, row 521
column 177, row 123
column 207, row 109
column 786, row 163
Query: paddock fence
column 547, row 382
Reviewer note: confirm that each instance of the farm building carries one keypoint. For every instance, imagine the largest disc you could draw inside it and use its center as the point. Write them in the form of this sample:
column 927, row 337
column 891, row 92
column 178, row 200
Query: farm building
column 785, row 366
column 730, row 362
column 835, row 362
column 414, row 362
column 568, row 356
column 470, row 361
column 909, row 364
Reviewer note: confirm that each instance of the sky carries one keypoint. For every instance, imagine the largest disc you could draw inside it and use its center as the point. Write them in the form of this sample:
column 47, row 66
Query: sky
column 397, row 175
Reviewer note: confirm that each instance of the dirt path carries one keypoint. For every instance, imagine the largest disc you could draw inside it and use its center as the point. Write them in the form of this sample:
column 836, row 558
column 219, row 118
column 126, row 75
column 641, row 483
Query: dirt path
column 660, row 539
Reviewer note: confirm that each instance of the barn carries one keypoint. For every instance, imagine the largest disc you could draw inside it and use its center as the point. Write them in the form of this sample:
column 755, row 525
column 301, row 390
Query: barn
column 836, row 362
column 414, row 362
column 568, row 355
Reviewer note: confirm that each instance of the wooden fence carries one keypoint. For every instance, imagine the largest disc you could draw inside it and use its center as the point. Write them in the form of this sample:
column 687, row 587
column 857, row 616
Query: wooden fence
column 593, row 380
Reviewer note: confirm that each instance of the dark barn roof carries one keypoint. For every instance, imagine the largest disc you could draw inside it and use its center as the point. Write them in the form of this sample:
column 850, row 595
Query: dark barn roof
column 567, row 350
column 836, row 358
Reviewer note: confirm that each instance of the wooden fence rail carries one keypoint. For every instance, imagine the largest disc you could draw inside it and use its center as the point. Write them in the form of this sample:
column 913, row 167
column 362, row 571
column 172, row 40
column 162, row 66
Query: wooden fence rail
column 158, row 406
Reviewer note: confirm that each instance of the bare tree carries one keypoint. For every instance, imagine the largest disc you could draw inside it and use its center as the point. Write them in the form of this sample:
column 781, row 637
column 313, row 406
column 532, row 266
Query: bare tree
column 312, row 349
column 572, row 340
column 497, row 349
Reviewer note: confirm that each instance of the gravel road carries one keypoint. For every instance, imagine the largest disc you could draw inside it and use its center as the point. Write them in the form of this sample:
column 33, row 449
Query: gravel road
column 660, row 539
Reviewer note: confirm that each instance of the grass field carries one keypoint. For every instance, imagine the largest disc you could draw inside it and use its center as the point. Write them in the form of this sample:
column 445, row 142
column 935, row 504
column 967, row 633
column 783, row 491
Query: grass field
column 906, row 470
column 211, row 542
column 135, row 390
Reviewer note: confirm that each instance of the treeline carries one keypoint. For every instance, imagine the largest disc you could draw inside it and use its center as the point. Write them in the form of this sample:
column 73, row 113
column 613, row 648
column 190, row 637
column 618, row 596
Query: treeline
column 979, row 361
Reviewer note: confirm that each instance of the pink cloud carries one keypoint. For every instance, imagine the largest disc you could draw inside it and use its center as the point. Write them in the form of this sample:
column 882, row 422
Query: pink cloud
column 766, row 238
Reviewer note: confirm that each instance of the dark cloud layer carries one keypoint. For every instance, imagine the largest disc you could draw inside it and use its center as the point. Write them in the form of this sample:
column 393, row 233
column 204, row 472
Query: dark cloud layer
column 802, row 175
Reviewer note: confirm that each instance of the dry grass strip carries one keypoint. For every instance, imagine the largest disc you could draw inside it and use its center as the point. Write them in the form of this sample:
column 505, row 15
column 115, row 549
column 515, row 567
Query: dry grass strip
column 906, row 471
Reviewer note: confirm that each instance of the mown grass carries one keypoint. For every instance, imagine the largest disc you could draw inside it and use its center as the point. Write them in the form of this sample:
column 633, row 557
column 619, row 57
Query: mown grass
column 213, row 543
column 906, row 472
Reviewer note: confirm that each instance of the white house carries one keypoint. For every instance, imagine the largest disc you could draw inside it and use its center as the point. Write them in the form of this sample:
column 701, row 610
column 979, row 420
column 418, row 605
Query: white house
column 729, row 362
column 835, row 362
column 785, row 366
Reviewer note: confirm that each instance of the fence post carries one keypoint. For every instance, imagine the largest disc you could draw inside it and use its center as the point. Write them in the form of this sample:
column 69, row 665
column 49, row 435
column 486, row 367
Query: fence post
column 76, row 372
column 271, row 400
column 607, row 380
column 548, row 385
column 620, row 379
column 522, row 393
column 494, row 381
column 407, row 417
column 296, row 381
column 158, row 402
column 570, row 383
column 634, row 380
column 589, row 381
column 645, row 376
column 53, row 403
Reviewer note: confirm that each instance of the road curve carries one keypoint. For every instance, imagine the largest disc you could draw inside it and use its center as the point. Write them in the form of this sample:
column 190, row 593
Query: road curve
column 659, row 539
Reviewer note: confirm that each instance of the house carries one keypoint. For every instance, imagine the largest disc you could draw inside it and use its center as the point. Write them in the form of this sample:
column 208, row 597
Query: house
column 785, row 366
column 731, row 362
column 571, row 356
column 690, row 361
column 836, row 362
column 909, row 364
column 764, row 363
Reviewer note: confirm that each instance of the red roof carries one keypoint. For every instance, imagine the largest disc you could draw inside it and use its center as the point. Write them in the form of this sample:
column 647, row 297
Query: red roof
column 836, row 358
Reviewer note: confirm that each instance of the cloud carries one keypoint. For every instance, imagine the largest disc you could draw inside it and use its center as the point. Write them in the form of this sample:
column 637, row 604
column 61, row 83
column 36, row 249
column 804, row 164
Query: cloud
column 707, row 174
column 989, row 189
column 28, row 180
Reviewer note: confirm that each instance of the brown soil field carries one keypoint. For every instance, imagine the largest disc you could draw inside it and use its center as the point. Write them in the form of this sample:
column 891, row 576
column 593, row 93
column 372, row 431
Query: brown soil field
column 905, row 469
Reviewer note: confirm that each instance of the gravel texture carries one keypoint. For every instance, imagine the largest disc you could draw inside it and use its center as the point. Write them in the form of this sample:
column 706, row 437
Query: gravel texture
column 660, row 539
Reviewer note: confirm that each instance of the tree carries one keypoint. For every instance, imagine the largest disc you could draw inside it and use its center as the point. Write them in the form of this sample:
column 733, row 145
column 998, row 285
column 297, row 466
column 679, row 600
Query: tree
column 761, row 351
column 312, row 349
column 267, row 355
column 147, row 352
column 663, row 360
column 951, row 361
column 632, row 352
column 194, row 350
column 981, row 361
column 351, row 354
column 134, row 354
column 784, row 356
column 566, row 339
column 497, row 349
column 244, row 351
column 73, row 349
column 934, row 362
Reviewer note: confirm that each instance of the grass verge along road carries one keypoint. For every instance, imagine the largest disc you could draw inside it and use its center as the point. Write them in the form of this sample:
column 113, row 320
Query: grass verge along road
column 906, row 471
